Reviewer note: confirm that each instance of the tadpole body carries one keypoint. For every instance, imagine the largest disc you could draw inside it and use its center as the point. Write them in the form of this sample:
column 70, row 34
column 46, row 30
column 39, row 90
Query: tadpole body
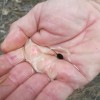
column 60, row 56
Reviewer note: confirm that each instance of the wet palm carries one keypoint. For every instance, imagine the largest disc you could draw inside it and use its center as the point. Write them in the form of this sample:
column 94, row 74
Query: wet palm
column 68, row 27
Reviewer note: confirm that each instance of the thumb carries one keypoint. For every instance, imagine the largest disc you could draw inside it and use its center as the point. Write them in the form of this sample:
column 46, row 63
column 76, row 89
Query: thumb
column 21, row 30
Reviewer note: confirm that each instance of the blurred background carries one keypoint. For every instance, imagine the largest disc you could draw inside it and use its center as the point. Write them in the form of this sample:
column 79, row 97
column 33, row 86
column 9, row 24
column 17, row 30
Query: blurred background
column 10, row 11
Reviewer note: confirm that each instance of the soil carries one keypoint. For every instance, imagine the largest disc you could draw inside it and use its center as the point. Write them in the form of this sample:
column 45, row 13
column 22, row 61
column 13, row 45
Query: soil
column 10, row 11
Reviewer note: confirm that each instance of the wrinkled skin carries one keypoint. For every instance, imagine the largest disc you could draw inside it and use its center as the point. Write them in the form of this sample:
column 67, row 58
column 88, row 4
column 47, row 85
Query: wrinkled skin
column 30, row 69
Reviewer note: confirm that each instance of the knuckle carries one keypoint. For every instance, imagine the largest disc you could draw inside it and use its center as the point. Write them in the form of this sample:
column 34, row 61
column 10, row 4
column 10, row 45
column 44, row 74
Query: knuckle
column 13, row 78
column 13, row 25
column 29, row 88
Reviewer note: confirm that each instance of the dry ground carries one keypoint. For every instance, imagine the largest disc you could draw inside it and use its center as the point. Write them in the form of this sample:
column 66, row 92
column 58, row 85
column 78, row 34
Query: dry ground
column 11, row 10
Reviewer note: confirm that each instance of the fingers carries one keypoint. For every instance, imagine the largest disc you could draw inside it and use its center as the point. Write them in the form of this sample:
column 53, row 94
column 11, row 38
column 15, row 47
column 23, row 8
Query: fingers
column 22, row 29
column 5, row 65
column 30, row 89
column 7, row 61
column 56, row 90
column 14, row 78
column 16, row 38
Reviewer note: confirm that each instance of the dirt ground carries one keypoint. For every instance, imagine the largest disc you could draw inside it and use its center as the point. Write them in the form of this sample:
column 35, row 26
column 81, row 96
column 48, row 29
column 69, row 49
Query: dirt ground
column 11, row 10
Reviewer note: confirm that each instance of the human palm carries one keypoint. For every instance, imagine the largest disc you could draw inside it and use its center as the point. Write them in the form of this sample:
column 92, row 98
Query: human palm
column 67, row 27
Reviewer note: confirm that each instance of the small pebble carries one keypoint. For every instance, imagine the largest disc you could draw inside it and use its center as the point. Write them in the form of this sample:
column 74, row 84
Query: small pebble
column 18, row 1
column 5, row 11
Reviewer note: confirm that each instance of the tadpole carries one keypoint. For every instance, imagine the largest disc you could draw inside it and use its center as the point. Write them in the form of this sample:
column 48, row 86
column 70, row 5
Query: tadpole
column 60, row 56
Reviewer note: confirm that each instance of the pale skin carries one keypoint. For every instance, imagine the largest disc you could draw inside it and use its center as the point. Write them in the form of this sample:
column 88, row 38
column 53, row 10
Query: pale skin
column 30, row 70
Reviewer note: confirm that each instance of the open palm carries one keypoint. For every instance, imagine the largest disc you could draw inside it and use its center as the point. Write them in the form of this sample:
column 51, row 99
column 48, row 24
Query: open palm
column 67, row 27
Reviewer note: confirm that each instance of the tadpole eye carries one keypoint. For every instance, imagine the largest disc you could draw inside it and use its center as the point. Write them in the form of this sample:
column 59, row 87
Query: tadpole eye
column 60, row 56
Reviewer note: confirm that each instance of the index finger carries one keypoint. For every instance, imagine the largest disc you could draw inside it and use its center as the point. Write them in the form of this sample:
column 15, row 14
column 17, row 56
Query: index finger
column 21, row 30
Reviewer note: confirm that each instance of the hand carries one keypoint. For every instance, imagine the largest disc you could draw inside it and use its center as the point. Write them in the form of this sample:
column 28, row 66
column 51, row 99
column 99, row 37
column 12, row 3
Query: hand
column 70, row 28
